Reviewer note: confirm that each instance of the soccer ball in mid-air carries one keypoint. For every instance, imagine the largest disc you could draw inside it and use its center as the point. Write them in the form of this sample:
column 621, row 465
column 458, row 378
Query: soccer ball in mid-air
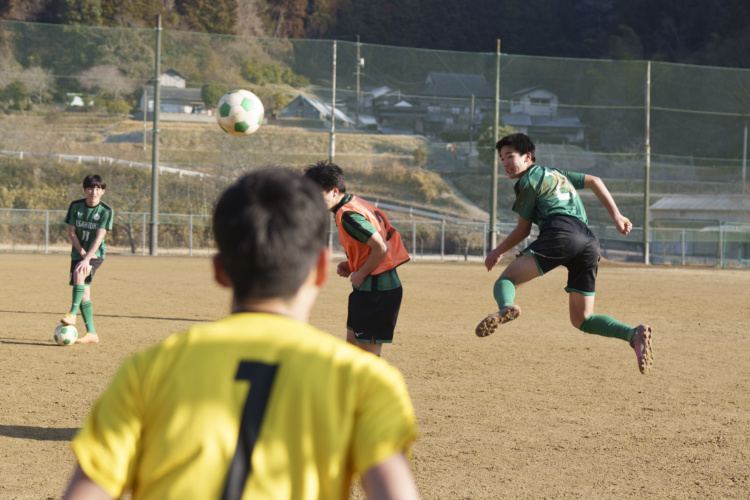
column 66, row 334
column 239, row 112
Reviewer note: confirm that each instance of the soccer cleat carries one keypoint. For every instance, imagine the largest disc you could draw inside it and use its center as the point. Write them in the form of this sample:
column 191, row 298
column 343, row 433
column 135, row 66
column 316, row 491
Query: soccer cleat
column 489, row 324
column 89, row 338
column 68, row 319
column 641, row 344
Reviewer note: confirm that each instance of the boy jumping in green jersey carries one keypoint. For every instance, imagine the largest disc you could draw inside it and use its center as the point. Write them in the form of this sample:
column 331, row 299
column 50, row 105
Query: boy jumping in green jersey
column 547, row 197
column 88, row 221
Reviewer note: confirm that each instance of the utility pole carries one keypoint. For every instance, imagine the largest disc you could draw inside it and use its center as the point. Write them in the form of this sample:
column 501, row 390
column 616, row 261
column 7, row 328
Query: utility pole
column 495, row 128
column 154, row 243
column 647, row 174
column 332, row 146
column 360, row 64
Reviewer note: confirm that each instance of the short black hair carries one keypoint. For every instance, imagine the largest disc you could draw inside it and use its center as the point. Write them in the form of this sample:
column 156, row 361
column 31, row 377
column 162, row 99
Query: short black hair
column 327, row 175
column 94, row 180
column 518, row 141
column 270, row 227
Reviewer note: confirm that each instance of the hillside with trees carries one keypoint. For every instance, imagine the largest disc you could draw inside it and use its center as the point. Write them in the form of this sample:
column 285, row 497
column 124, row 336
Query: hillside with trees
column 713, row 33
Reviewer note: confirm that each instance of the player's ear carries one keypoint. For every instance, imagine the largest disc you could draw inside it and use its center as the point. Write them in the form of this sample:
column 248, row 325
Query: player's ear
column 219, row 274
column 323, row 266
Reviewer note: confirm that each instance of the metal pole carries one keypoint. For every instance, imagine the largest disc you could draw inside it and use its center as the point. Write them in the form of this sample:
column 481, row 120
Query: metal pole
column 154, row 243
column 683, row 247
column 46, row 231
column 359, row 59
column 493, row 192
column 442, row 241
column 471, row 129
column 647, row 173
column 191, row 235
column 145, row 114
column 143, row 236
column 744, row 158
column 414, row 238
column 332, row 147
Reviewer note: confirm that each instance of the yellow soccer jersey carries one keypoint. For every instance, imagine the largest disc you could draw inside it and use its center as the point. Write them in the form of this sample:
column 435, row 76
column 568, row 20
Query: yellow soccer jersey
column 168, row 426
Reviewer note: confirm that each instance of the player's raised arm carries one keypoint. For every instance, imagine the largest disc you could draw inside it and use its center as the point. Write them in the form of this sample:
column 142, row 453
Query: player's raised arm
column 596, row 185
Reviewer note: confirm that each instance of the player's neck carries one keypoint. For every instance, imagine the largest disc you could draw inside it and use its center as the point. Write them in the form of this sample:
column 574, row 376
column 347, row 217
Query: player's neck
column 297, row 307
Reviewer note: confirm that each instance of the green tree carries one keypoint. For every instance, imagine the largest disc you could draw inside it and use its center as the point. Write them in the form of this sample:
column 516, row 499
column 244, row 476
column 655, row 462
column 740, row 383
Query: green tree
column 486, row 143
column 17, row 95
column 209, row 16
column 212, row 92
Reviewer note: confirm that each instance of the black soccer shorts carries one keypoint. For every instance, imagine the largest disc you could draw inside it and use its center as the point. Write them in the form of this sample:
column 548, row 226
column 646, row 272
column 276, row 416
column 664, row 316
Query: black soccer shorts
column 567, row 241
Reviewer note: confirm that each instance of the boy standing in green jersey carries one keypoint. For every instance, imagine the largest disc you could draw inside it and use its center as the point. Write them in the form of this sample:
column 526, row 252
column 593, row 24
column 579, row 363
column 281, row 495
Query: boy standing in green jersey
column 88, row 221
column 258, row 404
column 547, row 197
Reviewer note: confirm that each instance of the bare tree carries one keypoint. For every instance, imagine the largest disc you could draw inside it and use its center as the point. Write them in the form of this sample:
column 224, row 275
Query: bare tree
column 27, row 10
column 39, row 81
column 248, row 21
column 106, row 80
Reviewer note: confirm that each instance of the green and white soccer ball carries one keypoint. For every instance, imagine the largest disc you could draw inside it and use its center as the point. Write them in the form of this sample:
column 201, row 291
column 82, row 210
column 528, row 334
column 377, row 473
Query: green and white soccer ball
column 66, row 334
column 239, row 112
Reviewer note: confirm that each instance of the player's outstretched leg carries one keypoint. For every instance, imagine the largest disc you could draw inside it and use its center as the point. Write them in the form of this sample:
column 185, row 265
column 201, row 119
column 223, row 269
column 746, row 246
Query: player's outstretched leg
column 489, row 324
column 641, row 344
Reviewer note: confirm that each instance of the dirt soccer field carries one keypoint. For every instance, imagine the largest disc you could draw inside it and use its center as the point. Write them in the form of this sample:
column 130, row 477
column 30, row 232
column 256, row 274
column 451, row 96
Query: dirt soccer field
column 537, row 410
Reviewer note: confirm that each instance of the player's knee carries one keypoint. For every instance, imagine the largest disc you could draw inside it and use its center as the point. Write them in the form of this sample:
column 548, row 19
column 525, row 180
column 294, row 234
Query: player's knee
column 576, row 320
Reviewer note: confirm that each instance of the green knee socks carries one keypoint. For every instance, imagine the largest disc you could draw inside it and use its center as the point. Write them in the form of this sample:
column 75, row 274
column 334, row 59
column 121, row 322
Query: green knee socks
column 599, row 324
column 78, row 291
column 504, row 292
column 87, row 311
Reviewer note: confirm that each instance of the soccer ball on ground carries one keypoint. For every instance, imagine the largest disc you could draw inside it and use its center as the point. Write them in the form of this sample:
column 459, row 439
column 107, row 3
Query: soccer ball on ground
column 66, row 334
column 239, row 112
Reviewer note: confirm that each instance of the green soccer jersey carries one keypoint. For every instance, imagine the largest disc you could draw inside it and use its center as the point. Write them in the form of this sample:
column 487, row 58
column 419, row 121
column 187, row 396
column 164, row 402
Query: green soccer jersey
column 543, row 192
column 359, row 228
column 87, row 220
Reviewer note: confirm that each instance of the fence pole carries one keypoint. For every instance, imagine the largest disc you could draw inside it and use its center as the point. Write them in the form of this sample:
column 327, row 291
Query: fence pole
column 683, row 247
column 191, row 235
column 721, row 244
column 414, row 238
column 647, row 173
column 143, row 239
column 332, row 146
column 442, row 241
column 46, row 231
column 493, row 188
column 154, row 241
column 484, row 241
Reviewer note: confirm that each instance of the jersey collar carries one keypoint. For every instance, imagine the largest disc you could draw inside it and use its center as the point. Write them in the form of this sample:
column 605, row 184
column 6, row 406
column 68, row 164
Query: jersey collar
column 343, row 202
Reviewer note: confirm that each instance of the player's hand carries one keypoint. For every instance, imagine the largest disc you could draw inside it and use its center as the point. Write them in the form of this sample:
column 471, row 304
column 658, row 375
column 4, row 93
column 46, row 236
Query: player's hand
column 492, row 259
column 357, row 278
column 623, row 225
column 343, row 269
column 83, row 267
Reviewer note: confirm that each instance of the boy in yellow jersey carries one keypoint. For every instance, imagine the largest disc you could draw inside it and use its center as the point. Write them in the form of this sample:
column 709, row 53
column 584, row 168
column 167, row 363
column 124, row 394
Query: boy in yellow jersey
column 548, row 197
column 373, row 250
column 259, row 404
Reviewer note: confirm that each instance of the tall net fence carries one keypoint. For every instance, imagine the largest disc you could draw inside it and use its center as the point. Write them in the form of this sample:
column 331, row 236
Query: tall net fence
column 412, row 127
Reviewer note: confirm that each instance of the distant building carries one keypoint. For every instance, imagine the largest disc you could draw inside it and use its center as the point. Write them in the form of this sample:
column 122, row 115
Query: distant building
column 534, row 111
column 177, row 102
column 311, row 112
column 699, row 210
column 447, row 101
